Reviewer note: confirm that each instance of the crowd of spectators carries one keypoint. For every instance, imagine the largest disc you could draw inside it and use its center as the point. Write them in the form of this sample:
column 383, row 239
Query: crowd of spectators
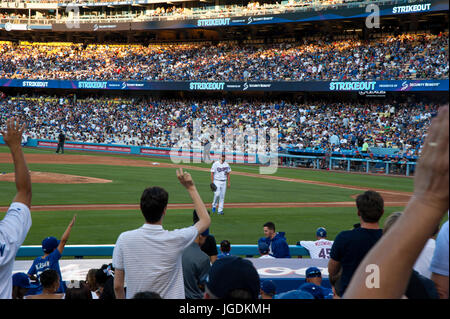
column 339, row 127
column 405, row 56
column 149, row 258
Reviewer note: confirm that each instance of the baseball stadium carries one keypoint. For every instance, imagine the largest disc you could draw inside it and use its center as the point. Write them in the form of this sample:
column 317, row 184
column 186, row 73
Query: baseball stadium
column 310, row 104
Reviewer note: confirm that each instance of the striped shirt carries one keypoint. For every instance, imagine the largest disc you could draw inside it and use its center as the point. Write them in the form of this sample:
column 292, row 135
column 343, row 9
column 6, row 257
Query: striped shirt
column 151, row 259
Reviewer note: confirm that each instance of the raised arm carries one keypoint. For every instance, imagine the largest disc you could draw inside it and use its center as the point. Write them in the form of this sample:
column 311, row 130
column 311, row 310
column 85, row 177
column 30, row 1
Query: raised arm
column 65, row 236
column 203, row 216
column 396, row 252
column 13, row 137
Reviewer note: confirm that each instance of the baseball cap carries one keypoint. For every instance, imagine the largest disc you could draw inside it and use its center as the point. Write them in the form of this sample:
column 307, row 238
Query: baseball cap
column 22, row 280
column 205, row 233
column 294, row 294
column 313, row 289
column 263, row 248
column 313, row 272
column 268, row 287
column 321, row 232
column 230, row 273
column 49, row 244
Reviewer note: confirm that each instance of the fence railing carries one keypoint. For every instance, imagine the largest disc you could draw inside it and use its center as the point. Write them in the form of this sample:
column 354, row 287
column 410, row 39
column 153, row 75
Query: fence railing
column 80, row 251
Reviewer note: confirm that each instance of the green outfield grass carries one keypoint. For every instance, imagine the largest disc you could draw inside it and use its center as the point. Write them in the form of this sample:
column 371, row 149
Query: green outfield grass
column 370, row 181
column 238, row 225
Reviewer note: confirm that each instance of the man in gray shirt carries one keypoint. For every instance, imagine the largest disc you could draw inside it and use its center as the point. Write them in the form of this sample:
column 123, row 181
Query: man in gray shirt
column 195, row 268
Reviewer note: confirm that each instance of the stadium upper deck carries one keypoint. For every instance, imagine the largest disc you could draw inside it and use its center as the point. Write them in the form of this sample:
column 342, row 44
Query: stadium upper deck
column 106, row 11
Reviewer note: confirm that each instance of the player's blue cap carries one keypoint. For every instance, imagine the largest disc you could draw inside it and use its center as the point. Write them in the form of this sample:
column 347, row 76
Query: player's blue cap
column 321, row 232
column 263, row 248
column 22, row 280
column 313, row 289
column 294, row 294
column 313, row 272
column 268, row 287
column 49, row 244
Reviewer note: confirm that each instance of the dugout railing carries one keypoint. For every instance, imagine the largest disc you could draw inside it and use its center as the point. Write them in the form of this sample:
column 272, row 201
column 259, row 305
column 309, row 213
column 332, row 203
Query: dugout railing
column 80, row 251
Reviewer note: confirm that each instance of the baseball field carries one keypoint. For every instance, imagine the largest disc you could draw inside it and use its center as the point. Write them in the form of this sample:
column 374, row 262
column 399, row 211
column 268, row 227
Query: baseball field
column 104, row 191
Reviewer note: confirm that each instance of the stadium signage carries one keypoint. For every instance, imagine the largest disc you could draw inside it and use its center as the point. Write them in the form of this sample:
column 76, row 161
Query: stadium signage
column 213, row 22
column 206, row 86
column 412, row 8
column 35, row 84
column 92, row 85
column 352, row 86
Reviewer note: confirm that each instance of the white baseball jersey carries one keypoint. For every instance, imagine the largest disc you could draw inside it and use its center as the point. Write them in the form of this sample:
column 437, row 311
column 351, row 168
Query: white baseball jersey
column 220, row 170
column 319, row 249
column 13, row 230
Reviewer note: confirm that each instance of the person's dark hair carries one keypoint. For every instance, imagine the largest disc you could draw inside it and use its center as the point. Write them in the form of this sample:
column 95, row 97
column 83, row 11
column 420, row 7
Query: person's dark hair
column 195, row 216
column 225, row 246
column 48, row 278
column 335, row 281
column 78, row 293
column 370, row 206
column 101, row 277
column 147, row 295
column 153, row 202
column 239, row 294
column 270, row 225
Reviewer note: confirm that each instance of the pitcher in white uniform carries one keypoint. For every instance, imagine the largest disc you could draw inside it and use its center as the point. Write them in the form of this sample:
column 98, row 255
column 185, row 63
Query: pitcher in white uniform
column 220, row 176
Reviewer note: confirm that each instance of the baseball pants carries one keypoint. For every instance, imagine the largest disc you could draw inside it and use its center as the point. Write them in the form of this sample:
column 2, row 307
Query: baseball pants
column 219, row 194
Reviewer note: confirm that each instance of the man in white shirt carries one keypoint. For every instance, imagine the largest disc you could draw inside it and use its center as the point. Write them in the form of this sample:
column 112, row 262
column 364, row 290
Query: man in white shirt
column 220, row 176
column 17, row 221
column 422, row 265
column 150, row 258
column 321, row 248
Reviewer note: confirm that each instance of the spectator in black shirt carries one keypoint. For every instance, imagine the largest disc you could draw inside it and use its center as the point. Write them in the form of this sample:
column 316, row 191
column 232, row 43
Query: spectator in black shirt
column 207, row 242
column 350, row 247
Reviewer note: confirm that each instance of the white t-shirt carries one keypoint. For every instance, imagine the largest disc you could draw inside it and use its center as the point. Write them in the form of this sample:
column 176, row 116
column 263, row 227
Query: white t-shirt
column 220, row 170
column 422, row 265
column 151, row 259
column 13, row 231
column 319, row 249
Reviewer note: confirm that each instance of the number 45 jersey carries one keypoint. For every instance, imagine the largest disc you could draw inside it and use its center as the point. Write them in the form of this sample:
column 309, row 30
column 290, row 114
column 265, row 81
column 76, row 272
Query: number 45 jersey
column 319, row 249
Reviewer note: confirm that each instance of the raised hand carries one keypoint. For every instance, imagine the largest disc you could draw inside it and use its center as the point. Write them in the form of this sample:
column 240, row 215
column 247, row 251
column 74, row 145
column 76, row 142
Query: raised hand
column 185, row 178
column 13, row 134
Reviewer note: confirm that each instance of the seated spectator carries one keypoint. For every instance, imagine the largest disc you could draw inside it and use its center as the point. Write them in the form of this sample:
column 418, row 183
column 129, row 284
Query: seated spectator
column 208, row 242
column 80, row 293
column 294, row 294
column 225, row 248
column 53, row 250
column 91, row 284
column 21, row 284
column 147, row 295
column 263, row 249
column 397, row 251
column 196, row 266
column 149, row 258
column 50, row 282
column 104, row 279
column 278, row 247
column 17, row 221
column 320, row 248
column 268, row 289
column 439, row 263
column 350, row 247
column 232, row 277
column 314, row 276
